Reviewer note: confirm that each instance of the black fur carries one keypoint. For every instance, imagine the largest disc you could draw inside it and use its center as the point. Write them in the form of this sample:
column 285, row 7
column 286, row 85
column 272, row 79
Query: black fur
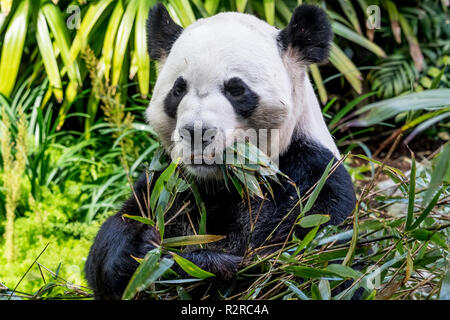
column 241, row 97
column 110, row 265
column 308, row 32
column 174, row 97
column 162, row 32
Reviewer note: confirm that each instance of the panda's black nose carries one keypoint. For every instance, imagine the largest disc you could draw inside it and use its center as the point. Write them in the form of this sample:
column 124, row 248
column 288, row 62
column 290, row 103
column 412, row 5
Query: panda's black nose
column 204, row 135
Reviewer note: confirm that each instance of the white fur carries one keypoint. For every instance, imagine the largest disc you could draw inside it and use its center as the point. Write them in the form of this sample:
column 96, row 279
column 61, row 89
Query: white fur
column 228, row 45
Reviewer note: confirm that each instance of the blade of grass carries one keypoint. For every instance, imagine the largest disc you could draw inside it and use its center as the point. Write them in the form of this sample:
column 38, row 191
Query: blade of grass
column 412, row 194
column 91, row 17
column 123, row 35
column 12, row 48
column 48, row 56
column 191, row 240
column 140, row 46
column 346, row 67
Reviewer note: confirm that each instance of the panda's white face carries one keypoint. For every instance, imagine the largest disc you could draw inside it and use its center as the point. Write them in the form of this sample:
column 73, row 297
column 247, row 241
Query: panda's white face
column 223, row 73
column 224, row 76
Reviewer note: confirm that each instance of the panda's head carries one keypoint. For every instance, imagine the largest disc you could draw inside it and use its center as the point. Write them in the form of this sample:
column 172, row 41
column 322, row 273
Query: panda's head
column 230, row 74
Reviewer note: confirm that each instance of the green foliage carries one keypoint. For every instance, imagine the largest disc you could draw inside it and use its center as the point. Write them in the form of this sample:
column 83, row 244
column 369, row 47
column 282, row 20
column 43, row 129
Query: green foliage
column 55, row 219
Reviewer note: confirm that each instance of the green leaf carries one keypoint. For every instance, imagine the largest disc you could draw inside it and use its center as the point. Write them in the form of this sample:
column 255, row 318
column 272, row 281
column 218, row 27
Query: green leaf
column 306, row 240
column 439, row 172
column 240, row 5
column 140, row 46
column 343, row 271
column 200, row 205
column 315, row 73
column 58, row 27
column 48, row 56
column 191, row 240
column 444, row 293
column 325, row 290
column 146, row 273
column 184, row 11
column 159, row 184
column 318, row 188
column 211, row 6
column 343, row 31
column 314, row 220
column 379, row 111
column 350, row 12
column 344, row 111
column 348, row 69
column 123, row 35
column 109, row 40
column 315, row 292
column 296, row 291
column 91, row 17
column 427, row 210
column 12, row 48
column 191, row 268
column 140, row 219
column 310, row 273
column 269, row 11
column 412, row 194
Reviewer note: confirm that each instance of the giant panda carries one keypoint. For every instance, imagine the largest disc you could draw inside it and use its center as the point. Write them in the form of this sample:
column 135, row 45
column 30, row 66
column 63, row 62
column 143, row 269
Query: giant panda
column 230, row 71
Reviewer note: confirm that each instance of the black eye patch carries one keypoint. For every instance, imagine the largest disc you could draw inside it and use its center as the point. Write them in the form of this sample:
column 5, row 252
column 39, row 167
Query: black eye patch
column 174, row 97
column 241, row 97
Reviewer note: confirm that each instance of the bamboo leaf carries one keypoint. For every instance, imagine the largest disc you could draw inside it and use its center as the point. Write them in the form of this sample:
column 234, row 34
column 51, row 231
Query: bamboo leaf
column 412, row 194
column 191, row 240
column 143, row 220
column 325, row 290
column 159, row 184
column 427, row 210
column 306, row 240
column 191, row 268
column 343, row 271
column 439, row 172
column 296, row 291
column 150, row 269
column 318, row 188
column 314, row 220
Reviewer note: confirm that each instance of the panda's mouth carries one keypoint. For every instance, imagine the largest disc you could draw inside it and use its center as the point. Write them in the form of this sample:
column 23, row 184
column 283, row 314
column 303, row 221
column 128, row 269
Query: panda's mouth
column 204, row 171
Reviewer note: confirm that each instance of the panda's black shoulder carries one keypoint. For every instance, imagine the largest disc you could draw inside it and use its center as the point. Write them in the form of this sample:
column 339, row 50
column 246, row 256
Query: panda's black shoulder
column 305, row 162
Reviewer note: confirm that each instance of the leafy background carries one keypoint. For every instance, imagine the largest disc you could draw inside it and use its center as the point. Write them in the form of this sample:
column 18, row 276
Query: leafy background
column 72, row 96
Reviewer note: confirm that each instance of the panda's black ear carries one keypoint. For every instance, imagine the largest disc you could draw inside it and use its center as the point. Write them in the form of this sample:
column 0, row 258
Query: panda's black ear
column 162, row 32
column 308, row 33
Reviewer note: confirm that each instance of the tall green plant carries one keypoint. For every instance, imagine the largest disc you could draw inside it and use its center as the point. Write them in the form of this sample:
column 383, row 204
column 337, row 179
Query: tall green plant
column 14, row 162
